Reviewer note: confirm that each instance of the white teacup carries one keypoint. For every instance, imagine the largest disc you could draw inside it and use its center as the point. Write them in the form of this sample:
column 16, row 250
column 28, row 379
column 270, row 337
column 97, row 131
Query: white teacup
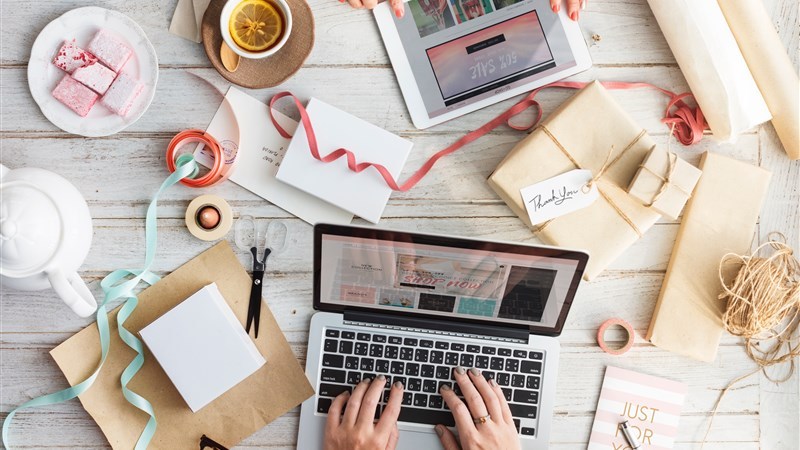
column 224, row 20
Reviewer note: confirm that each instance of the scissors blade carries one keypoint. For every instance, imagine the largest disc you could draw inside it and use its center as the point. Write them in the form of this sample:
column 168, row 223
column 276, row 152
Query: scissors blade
column 254, row 310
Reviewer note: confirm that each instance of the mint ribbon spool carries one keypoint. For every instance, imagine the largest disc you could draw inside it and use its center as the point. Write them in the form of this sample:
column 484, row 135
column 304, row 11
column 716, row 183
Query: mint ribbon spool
column 115, row 286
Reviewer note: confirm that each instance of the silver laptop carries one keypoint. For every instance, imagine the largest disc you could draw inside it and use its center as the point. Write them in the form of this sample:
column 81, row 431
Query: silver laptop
column 414, row 306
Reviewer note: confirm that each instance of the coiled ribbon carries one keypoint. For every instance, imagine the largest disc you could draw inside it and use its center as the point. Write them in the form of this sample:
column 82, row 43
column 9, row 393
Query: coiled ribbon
column 118, row 285
column 218, row 172
column 687, row 125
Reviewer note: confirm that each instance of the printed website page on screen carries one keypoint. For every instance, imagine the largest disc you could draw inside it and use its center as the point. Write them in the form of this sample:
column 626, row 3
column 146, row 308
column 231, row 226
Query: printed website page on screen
column 500, row 287
column 463, row 51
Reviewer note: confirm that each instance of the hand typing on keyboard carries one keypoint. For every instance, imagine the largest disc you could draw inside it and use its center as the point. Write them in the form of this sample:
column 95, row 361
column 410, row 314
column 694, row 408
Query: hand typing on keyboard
column 355, row 429
column 484, row 422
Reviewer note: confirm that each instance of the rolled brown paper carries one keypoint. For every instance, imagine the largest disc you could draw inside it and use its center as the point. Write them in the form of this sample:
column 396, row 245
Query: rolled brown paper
column 768, row 61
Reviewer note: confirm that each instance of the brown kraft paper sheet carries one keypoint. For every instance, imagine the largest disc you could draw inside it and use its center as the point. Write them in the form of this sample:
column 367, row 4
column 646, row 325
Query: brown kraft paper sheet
column 770, row 65
column 599, row 229
column 274, row 389
column 720, row 218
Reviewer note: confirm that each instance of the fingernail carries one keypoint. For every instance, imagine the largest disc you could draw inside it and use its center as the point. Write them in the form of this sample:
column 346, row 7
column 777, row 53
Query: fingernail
column 439, row 430
column 445, row 387
column 475, row 372
column 381, row 377
column 366, row 380
column 556, row 8
column 399, row 12
column 574, row 16
column 346, row 394
column 460, row 370
column 491, row 382
column 398, row 385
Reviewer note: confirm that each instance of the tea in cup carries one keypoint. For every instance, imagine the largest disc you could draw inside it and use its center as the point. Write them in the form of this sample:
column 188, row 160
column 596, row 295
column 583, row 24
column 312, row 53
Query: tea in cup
column 255, row 28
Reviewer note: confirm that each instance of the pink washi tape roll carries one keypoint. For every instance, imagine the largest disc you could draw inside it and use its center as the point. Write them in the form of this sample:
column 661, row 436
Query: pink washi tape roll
column 601, row 341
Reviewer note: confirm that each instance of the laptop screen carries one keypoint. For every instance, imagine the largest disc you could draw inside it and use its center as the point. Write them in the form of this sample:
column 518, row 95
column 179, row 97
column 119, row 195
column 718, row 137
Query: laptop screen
column 437, row 276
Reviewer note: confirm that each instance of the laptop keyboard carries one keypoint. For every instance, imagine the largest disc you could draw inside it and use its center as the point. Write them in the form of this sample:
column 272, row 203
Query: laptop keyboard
column 423, row 366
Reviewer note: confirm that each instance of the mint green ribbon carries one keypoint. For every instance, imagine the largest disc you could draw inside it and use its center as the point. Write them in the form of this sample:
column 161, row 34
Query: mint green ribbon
column 115, row 286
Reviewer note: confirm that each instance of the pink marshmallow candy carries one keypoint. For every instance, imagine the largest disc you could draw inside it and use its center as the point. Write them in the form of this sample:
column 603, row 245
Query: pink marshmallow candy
column 109, row 50
column 74, row 95
column 71, row 57
column 122, row 94
column 95, row 76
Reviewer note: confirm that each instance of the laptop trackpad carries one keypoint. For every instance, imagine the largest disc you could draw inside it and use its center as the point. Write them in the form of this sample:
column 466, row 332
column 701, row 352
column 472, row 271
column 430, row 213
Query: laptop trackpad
column 417, row 440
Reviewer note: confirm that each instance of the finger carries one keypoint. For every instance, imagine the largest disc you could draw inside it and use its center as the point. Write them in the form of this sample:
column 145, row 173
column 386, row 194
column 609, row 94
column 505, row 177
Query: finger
column 449, row 441
column 370, row 401
column 369, row 4
column 398, row 7
column 354, row 404
column 335, row 411
column 573, row 9
column 356, row 4
column 393, row 438
column 555, row 5
column 460, row 411
column 388, row 420
column 503, row 403
column 487, row 393
column 474, row 400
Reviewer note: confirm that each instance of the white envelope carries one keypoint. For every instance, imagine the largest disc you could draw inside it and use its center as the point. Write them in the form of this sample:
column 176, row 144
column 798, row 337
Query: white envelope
column 260, row 151
column 364, row 194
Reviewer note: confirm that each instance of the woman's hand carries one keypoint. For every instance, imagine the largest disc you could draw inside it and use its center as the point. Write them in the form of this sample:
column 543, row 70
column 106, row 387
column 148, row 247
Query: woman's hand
column 574, row 7
column 397, row 5
column 484, row 422
column 356, row 430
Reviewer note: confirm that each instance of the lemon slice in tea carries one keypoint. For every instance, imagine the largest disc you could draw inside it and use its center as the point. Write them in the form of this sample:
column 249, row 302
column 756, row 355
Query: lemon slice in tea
column 255, row 25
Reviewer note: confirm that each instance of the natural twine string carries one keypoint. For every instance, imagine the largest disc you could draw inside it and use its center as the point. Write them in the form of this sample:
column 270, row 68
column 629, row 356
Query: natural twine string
column 763, row 308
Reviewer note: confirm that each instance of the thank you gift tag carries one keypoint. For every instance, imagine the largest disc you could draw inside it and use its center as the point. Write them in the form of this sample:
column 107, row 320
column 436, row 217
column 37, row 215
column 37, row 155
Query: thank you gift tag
column 559, row 195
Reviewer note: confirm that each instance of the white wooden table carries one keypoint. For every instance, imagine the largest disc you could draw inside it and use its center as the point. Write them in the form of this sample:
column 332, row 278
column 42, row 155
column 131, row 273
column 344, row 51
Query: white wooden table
column 349, row 68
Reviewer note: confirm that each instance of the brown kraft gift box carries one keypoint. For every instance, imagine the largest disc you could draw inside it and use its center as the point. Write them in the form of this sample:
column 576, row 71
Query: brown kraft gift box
column 589, row 131
column 720, row 218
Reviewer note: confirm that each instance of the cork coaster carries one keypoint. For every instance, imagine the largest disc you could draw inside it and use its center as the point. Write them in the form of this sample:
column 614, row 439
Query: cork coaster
column 272, row 70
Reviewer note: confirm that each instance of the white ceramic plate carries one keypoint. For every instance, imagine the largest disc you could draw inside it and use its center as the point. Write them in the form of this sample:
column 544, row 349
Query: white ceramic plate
column 81, row 24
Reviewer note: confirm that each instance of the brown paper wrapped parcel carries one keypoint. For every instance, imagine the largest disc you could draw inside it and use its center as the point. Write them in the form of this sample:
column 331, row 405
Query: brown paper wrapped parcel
column 589, row 131
column 664, row 182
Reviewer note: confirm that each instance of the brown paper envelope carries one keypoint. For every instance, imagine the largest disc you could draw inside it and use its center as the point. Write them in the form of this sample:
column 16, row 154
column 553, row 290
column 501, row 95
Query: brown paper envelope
column 274, row 389
column 587, row 125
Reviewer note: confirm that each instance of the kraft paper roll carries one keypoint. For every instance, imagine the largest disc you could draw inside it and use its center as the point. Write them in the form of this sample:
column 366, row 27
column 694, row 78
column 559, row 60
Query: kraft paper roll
column 211, row 233
column 601, row 341
column 710, row 59
column 770, row 65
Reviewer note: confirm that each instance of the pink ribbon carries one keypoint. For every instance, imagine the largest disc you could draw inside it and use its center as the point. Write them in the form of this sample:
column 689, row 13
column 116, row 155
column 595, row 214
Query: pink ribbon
column 687, row 125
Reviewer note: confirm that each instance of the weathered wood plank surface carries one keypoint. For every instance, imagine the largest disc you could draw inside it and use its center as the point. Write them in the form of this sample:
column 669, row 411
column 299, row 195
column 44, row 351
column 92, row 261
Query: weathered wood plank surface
column 117, row 175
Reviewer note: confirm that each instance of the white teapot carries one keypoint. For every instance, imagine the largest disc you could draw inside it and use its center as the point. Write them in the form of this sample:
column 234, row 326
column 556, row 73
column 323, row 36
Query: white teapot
column 45, row 234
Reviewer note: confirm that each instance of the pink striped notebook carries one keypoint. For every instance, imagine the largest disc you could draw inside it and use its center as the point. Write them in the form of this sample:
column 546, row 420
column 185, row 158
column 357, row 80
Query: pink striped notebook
column 651, row 405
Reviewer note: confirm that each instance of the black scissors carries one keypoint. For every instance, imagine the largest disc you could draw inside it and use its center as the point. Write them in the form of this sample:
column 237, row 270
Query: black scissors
column 247, row 239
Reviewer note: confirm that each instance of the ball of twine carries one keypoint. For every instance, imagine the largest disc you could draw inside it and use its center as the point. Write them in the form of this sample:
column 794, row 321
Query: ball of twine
column 763, row 302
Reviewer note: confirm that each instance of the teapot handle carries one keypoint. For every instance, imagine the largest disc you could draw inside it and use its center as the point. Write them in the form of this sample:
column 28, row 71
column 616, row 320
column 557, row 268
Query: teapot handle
column 73, row 290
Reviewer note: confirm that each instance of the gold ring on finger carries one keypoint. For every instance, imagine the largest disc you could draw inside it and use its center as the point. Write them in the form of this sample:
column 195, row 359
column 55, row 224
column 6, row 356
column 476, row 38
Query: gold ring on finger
column 481, row 419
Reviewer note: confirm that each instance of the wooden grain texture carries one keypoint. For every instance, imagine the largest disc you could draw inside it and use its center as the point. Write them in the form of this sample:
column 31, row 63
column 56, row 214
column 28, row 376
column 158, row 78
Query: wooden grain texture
column 349, row 68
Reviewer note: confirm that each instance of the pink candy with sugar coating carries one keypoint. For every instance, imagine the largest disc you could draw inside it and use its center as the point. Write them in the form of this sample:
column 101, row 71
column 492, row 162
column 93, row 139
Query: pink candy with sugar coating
column 122, row 94
column 71, row 57
column 76, row 96
column 96, row 76
column 109, row 50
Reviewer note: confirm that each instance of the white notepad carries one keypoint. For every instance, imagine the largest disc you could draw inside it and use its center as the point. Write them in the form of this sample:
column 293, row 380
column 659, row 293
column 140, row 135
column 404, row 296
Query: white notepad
column 202, row 347
column 364, row 194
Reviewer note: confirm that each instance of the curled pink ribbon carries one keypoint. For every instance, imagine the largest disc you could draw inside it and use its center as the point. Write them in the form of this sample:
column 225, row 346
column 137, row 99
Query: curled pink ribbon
column 687, row 125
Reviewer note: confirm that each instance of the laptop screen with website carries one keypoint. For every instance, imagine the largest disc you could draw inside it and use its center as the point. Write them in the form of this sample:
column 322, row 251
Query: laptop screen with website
column 439, row 276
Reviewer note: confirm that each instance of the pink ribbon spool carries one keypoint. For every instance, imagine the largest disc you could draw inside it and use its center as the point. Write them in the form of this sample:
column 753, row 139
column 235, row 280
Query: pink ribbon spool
column 601, row 341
